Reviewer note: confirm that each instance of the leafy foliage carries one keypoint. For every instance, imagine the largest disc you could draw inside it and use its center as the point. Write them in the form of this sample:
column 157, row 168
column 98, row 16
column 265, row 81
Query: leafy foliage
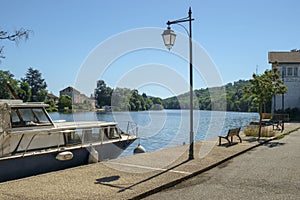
column 24, row 88
column 103, row 94
column 263, row 87
column 64, row 103
column 37, row 85
column 24, row 91
column 6, row 76
column 122, row 99
column 52, row 106
column 214, row 99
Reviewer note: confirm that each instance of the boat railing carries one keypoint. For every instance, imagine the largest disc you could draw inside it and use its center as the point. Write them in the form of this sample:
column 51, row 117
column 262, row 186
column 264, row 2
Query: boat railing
column 128, row 127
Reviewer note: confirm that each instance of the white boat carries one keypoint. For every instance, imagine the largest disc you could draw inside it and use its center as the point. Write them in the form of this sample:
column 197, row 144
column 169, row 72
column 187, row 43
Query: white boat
column 31, row 143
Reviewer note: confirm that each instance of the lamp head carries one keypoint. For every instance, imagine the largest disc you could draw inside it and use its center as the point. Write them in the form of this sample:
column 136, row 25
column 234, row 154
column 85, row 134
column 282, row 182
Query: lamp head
column 169, row 37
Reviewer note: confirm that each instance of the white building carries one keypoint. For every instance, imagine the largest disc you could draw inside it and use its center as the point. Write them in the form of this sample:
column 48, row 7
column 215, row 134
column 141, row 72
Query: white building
column 288, row 63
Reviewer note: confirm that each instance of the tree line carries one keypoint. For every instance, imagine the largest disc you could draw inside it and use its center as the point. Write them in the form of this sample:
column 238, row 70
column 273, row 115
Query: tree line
column 230, row 97
column 123, row 99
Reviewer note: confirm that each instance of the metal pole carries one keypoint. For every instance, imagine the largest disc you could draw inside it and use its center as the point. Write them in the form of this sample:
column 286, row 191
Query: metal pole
column 191, row 150
column 282, row 104
column 189, row 19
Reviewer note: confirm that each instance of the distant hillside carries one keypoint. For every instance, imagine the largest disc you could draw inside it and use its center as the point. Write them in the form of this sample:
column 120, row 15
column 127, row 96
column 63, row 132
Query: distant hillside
column 230, row 97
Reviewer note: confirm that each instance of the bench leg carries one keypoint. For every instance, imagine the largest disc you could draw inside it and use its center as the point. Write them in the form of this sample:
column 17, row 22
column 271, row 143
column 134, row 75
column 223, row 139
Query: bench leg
column 226, row 138
column 239, row 138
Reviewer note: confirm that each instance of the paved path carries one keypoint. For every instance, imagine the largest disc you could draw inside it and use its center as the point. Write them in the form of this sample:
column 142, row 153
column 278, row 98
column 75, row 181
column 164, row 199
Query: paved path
column 271, row 171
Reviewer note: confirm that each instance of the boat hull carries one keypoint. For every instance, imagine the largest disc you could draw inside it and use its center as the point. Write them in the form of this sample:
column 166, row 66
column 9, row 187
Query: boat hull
column 21, row 167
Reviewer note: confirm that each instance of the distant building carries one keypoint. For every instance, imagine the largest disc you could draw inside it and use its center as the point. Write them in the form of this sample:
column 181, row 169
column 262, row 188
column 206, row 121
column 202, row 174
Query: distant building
column 78, row 98
column 73, row 93
column 52, row 97
column 288, row 63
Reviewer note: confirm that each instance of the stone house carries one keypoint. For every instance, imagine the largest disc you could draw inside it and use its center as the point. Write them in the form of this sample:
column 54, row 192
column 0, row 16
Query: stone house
column 288, row 64
column 78, row 98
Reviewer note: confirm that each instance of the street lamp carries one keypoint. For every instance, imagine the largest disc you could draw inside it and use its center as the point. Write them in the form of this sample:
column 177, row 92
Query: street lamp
column 282, row 103
column 169, row 39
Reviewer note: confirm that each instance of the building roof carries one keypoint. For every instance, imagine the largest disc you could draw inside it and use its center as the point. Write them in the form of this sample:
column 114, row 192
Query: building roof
column 52, row 96
column 70, row 89
column 284, row 57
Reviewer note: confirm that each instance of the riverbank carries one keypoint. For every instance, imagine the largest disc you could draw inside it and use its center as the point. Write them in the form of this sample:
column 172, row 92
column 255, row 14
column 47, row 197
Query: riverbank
column 130, row 177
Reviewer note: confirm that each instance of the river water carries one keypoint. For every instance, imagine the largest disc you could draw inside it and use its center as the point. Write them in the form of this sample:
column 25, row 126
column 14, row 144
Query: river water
column 167, row 128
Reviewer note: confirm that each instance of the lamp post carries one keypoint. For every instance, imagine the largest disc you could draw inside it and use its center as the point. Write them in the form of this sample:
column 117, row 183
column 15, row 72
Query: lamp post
column 282, row 103
column 169, row 39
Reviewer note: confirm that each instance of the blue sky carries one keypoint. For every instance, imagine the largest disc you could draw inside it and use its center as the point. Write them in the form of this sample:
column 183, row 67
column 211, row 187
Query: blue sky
column 235, row 34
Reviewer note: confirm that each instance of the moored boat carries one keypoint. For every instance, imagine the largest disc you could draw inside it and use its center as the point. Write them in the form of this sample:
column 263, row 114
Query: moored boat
column 31, row 143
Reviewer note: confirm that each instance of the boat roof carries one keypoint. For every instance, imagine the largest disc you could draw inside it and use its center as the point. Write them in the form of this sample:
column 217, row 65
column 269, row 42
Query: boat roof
column 84, row 124
column 16, row 103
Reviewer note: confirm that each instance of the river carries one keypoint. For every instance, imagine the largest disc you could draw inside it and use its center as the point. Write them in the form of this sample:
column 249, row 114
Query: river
column 166, row 128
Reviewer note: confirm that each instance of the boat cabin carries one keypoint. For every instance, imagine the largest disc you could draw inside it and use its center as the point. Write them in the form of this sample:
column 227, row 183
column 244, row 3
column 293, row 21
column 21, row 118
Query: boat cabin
column 26, row 127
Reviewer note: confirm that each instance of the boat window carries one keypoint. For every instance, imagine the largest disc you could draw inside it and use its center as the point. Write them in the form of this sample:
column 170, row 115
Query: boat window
column 72, row 137
column 111, row 132
column 39, row 113
column 91, row 135
column 22, row 117
column 14, row 117
column 27, row 115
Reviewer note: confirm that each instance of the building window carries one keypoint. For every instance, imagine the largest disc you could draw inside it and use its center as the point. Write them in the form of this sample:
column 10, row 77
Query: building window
column 290, row 71
column 296, row 71
column 283, row 73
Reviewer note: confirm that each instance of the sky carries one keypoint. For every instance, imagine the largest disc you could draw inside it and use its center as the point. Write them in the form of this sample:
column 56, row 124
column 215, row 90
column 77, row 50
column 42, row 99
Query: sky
column 75, row 42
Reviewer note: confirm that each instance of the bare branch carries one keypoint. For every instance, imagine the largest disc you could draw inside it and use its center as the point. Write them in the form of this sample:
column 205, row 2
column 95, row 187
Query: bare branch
column 14, row 37
column 1, row 53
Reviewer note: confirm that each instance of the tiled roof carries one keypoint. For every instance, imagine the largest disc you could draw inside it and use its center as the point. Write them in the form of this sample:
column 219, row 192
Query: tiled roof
column 284, row 57
column 70, row 89
column 52, row 96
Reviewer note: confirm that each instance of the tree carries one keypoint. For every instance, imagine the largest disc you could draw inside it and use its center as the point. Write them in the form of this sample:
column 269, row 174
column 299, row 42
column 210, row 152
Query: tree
column 263, row 87
column 24, row 91
column 64, row 102
column 103, row 94
column 120, row 99
column 6, row 76
column 14, row 37
column 37, row 85
column 157, row 103
column 135, row 101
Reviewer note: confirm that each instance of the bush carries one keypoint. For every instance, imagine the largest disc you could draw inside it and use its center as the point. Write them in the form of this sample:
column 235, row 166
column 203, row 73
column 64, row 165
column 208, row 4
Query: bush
column 252, row 130
column 52, row 109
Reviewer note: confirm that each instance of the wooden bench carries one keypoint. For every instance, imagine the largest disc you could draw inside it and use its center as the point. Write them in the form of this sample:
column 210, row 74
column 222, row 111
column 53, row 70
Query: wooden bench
column 231, row 133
